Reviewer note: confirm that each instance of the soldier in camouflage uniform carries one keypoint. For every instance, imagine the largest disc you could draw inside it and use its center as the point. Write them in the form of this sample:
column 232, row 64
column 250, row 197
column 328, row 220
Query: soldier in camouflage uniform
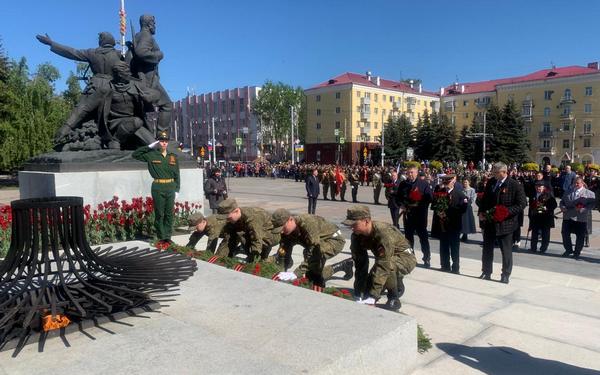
column 321, row 240
column 249, row 225
column 164, row 169
column 394, row 258
column 211, row 227
column 376, row 185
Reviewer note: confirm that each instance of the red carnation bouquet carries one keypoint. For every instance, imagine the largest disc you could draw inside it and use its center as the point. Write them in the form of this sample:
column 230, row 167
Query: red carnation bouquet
column 441, row 202
column 580, row 206
column 538, row 207
column 414, row 196
column 498, row 214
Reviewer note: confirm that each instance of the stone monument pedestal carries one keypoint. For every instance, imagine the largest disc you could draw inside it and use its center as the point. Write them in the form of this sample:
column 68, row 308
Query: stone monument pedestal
column 98, row 176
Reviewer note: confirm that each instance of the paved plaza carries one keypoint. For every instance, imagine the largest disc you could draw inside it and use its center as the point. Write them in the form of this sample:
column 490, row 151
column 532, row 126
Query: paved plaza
column 547, row 320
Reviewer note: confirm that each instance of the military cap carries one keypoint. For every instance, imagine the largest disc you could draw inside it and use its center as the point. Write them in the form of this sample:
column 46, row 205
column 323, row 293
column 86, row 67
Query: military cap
column 194, row 220
column 226, row 207
column 356, row 213
column 162, row 136
column 279, row 218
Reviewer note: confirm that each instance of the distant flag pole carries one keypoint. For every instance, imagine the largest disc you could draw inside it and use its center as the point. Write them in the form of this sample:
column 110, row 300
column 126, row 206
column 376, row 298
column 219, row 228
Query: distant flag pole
column 122, row 26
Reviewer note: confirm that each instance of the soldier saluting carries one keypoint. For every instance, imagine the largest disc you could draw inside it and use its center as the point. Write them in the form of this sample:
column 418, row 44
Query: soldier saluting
column 394, row 258
column 320, row 239
column 164, row 168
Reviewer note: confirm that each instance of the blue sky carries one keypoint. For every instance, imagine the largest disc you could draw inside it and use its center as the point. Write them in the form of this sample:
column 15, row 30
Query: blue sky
column 216, row 45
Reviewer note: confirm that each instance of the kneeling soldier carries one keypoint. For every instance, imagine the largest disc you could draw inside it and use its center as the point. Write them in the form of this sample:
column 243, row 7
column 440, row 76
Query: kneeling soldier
column 321, row 240
column 394, row 258
column 210, row 226
column 249, row 225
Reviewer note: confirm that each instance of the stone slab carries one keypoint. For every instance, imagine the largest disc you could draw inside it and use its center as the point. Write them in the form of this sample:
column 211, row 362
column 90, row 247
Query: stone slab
column 566, row 327
column 98, row 186
column 502, row 351
column 228, row 322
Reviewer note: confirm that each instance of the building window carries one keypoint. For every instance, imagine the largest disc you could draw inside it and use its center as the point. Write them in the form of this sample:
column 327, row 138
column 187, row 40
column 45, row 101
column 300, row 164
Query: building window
column 548, row 94
column 466, row 115
column 588, row 91
column 375, row 97
column 338, row 95
column 318, row 112
column 566, row 126
column 358, row 94
column 242, row 106
column 375, row 124
column 547, row 112
column 318, row 155
column 587, row 142
column 547, row 127
column 587, row 127
column 587, row 108
column 337, row 110
column 383, row 112
column 566, row 143
column 318, row 98
column 232, row 104
column 465, row 103
column 223, row 107
column 318, row 125
column 566, row 110
column 337, row 124
column 358, row 108
column 568, row 94
column 383, row 98
column 358, row 124
column 376, row 110
column 368, row 95
column 392, row 99
column 546, row 143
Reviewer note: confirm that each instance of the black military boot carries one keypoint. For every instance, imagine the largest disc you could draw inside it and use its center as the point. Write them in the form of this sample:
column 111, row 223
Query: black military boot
column 347, row 266
column 400, row 281
column 393, row 304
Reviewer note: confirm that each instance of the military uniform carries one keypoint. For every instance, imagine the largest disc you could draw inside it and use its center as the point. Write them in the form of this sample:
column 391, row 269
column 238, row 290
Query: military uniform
column 376, row 186
column 213, row 230
column 343, row 184
column 354, row 180
column 253, row 230
column 394, row 258
column 332, row 185
column 325, row 182
column 165, row 171
column 321, row 240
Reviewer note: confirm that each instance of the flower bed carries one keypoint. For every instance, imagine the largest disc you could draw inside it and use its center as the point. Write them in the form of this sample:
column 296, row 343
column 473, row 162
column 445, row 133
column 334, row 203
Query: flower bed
column 111, row 221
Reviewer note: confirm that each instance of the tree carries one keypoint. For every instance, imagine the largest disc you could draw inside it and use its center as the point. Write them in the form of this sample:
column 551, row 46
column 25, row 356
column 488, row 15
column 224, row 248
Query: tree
column 272, row 107
column 515, row 143
column 398, row 137
column 425, row 136
column 444, row 140
column 468, row 144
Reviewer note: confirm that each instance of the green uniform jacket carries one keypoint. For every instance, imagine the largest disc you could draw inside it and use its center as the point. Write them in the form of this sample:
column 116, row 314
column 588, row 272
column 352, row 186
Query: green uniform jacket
column 311, row 231
column 160, row 166
column 392, row 254
column 213, row 230
column 255, row 226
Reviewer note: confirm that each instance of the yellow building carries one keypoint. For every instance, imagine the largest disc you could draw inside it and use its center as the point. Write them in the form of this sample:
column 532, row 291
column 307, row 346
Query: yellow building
column 345, row 115
column 560, row 107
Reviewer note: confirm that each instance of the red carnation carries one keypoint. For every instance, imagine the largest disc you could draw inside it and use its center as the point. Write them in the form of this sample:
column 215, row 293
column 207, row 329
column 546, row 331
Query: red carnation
column 580, row 206
column 480, row 195
column 500, row 213
column 415, row 195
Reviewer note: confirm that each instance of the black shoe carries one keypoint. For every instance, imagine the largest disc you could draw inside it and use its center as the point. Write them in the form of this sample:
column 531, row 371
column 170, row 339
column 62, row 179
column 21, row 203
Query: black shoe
column 485, row 276
column 401, row 287
column 566, row 254
column 455, row 271
column 542, row 251
column 392, row 304
column 504, row 279
column 426, row 264
column 445, row 269
column 576, row 256
column 464, row 238
column 347, row 266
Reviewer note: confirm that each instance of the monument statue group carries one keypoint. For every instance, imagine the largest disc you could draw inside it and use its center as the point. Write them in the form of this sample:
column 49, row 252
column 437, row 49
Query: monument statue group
column 123, row 88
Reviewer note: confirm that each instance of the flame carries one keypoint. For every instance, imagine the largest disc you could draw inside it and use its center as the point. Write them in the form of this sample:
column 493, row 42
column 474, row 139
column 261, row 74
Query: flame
column 50, row 322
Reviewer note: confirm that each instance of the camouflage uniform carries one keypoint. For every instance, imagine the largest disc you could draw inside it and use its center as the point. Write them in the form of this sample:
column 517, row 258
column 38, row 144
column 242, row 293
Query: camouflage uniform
column 213, row 230
column 321, row 240
column 253, row 229
column 394, row 259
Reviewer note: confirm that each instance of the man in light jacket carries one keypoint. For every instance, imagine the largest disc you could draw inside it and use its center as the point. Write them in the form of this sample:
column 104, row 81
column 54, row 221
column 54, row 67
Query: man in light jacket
column 575, row 205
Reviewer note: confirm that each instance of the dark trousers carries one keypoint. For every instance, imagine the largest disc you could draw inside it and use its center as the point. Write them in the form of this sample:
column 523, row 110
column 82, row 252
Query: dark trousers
column 395, row 212
column 516, row 237
column 325, row 190
column 487, row 257
column 376, row 193
column 354, row 193
column 535, row 234
column 580, row 230
column 312, row 205
column 409, row 233
column 450, row 248
column 164, row 201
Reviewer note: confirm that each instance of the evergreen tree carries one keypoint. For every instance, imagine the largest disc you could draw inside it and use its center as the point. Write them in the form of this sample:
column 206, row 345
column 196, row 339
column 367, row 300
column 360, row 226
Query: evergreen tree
column 494, row 126
column 515, row 143
column 398, row 137
column 425, row 136
column 444, row 141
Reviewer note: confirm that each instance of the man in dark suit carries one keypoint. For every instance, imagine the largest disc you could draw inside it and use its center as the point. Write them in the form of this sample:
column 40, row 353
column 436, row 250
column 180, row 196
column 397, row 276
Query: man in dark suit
column 391, row 190
column 503, row 199
column 541, row 215
column 449, row 204
column 312, row 190
column 414, row 196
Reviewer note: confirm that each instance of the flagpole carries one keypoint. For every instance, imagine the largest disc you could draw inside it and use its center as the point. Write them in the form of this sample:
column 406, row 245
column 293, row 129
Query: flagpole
column 122, row 26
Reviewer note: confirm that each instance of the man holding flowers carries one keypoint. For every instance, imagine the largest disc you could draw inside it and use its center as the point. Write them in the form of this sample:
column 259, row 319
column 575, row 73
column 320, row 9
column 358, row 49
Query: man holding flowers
column 503, row 199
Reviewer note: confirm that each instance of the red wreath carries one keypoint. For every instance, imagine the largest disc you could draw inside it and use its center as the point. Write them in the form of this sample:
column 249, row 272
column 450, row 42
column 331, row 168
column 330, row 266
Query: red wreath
column 500, row 213
column 415, row 195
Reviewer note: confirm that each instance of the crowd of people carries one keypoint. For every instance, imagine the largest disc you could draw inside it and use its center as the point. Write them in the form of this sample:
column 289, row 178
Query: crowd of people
column 498, row 198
